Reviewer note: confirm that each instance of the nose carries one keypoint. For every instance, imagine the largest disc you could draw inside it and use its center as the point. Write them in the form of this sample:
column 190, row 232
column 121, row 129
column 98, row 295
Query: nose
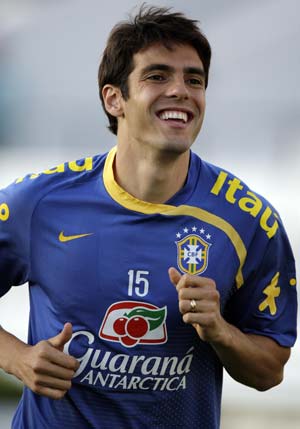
column 177, row 88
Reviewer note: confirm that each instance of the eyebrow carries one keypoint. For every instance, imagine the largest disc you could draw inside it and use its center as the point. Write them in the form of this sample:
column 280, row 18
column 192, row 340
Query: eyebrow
column 165, row 67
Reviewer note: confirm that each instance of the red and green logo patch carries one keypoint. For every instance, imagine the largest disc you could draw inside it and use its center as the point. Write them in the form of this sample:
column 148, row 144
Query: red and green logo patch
column 131, row 323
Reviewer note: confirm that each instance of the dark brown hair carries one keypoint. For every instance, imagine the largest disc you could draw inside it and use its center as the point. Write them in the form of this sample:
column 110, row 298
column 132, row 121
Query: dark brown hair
column 150, row 25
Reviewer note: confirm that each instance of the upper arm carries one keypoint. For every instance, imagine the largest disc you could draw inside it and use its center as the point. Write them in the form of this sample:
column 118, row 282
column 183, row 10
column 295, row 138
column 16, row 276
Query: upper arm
column 15, row 221
column 266, row 304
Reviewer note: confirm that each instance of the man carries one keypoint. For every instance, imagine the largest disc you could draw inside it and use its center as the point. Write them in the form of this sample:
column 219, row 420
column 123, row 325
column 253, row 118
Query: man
column 102, row 240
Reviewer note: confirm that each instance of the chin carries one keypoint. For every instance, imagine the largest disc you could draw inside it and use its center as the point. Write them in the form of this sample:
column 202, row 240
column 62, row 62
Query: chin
column 176, row 146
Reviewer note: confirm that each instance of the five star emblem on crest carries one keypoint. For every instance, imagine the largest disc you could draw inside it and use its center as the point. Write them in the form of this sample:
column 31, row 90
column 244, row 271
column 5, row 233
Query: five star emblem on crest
column 193, row 250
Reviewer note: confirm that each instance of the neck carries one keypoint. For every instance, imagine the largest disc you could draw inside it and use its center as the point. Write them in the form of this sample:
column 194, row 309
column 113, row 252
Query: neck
column 150, row 176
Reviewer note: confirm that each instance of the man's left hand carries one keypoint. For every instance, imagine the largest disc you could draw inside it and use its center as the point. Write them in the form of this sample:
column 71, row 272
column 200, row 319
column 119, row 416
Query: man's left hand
column 199, row 303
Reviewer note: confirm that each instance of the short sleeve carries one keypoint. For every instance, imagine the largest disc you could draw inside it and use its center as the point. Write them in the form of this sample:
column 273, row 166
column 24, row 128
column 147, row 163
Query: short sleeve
column 16, row 207
column 266, row 304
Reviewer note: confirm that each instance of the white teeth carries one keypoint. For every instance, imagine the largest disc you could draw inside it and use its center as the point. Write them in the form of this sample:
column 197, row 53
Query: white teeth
column 173, row 114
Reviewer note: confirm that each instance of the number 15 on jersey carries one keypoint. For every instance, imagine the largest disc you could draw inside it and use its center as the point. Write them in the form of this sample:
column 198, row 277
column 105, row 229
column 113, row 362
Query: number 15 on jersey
column 138, row 283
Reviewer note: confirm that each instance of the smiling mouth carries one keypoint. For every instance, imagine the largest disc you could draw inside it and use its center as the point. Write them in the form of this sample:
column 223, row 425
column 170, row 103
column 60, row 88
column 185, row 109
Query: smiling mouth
column 179, row 116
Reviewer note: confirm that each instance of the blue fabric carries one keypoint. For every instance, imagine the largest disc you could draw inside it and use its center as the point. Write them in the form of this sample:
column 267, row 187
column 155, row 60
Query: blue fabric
column 140, row 365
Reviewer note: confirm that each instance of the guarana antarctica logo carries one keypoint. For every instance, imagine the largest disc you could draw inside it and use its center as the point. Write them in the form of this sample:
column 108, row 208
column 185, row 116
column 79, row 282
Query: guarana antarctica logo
column 131, row 323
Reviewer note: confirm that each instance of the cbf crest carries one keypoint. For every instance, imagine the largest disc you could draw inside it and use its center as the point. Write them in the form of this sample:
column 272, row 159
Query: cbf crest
column 193, row 250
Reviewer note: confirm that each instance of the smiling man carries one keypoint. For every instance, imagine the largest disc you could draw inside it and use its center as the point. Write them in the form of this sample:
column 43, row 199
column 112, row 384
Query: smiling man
column 159, row 121
column 149, row 269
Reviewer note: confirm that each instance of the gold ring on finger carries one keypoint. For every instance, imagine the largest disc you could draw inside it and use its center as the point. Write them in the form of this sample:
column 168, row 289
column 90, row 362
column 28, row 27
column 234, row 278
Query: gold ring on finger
column 193, row 305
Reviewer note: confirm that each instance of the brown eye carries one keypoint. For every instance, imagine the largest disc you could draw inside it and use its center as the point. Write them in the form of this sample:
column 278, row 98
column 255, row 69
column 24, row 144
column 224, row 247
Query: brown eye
column 195, row 82
column 156, row 77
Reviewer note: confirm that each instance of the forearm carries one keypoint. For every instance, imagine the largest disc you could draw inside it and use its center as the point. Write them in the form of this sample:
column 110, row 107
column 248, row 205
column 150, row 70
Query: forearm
column 10, row 348
column 44, row 367
column 253, row 360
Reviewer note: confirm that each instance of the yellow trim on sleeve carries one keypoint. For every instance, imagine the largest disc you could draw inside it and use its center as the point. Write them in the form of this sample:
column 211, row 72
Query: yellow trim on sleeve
column 131, row 203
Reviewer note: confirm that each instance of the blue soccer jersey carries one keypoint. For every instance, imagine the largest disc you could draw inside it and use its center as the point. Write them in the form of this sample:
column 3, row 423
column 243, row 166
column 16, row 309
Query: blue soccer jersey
column 97, row 257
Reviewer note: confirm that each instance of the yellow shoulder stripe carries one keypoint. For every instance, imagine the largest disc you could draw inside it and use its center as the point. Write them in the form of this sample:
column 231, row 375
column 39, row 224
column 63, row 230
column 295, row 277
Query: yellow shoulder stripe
column 131, row 203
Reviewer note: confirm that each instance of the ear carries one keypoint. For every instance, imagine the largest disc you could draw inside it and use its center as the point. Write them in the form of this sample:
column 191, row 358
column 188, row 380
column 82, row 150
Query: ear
column 112, row 97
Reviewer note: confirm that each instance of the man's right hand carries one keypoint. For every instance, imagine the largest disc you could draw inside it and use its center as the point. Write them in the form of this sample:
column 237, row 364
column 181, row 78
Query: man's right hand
column 45, row 368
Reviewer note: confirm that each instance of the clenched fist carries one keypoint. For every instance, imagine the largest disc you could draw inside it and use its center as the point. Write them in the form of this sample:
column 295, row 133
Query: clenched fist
column 199, row 303
column 44, row 368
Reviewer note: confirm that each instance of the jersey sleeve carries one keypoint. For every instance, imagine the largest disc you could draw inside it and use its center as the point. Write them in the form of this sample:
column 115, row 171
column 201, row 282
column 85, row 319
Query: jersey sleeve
column 16, row 206
column 266, row 304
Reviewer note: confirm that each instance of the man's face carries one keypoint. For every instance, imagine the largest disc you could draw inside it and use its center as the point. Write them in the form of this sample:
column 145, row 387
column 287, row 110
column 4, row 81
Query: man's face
column 166, row 103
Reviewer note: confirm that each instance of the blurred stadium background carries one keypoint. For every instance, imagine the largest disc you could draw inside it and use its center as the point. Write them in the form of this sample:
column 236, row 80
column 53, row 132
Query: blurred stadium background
column 50, row 112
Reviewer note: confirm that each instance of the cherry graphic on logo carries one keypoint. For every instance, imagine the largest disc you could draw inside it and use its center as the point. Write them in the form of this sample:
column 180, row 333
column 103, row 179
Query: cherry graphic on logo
column 137, row 327
column 119, row 326
column 127, row 341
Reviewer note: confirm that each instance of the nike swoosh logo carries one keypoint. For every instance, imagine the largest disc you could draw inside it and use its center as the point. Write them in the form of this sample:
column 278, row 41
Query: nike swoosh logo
column 63, row 238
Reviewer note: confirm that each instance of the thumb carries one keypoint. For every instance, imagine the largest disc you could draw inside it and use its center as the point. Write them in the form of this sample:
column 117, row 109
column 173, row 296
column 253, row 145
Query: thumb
column 174, row 275
column 62, row 338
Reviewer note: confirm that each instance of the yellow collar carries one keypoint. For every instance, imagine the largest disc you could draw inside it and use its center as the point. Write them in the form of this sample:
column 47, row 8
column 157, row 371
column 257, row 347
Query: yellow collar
column 122, row 197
